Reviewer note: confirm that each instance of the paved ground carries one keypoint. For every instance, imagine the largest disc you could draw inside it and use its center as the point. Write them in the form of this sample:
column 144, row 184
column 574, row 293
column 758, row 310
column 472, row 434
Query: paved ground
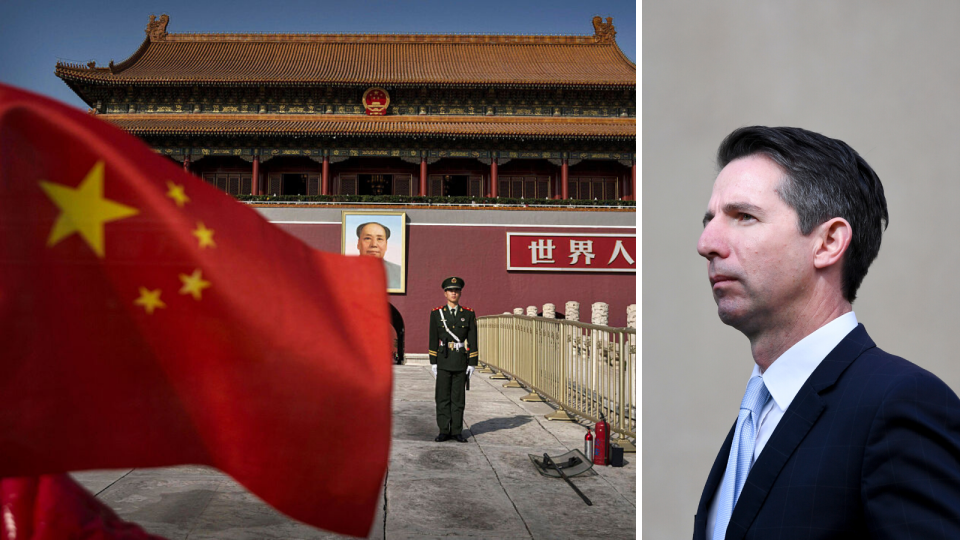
column 485, row 489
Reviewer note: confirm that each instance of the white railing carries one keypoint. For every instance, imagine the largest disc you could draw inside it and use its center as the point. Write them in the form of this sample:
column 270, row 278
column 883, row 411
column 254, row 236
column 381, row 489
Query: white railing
column 585, row 369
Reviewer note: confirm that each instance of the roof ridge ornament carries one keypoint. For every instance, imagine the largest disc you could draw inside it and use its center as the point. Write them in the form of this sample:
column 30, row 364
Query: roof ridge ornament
column 157, row 29
column 603, row 31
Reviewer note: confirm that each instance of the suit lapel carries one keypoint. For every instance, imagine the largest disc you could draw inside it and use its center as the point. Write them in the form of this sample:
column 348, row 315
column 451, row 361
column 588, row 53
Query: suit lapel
column 797, row 420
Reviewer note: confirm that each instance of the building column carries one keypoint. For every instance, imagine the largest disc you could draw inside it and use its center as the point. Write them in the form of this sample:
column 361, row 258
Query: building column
column 255, row 183
column 564, row 175
column 186, row 163
column 633, row 181
column 423, row 176
column 555, row 183
column 494, row 183
column 325, row 176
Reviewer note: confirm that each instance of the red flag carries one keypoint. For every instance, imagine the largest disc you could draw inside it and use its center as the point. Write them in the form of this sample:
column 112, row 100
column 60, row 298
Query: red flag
column 54, row 507
column 149, row 320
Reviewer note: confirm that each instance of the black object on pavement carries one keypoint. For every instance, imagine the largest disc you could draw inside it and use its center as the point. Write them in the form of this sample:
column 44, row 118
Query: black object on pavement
column 549, row 463
column 616, row 456
column 573, row 463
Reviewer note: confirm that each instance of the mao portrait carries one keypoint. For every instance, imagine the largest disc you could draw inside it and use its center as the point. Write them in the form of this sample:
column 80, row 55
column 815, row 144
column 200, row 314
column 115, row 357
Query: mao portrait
column 381, row 235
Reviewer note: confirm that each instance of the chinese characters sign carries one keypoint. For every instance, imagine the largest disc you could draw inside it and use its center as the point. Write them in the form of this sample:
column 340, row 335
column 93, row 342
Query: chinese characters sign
column 545, row 252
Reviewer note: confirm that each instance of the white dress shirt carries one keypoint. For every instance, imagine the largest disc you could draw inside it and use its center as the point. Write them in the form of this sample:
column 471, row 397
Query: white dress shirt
column 783, row 380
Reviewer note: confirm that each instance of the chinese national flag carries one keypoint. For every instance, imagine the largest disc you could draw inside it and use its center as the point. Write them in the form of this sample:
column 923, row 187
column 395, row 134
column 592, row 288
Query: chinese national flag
column 147, row 319
column 54, row 507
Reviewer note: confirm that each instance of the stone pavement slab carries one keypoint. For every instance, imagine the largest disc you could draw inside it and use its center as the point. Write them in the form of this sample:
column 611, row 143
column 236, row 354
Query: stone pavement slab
column 486, row 488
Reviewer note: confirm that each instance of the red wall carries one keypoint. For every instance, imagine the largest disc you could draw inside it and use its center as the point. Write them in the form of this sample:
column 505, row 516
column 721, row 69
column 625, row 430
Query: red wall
column 479, row 256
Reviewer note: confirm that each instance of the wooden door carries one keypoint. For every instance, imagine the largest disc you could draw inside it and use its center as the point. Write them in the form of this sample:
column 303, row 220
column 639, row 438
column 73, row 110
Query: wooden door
column 274, row 184
column 435, row 185
column 543, row 187
column 609, row 189
column 403, row 184
column 348, row 184
column 233, row 184
column 476, row 185
column 313, row 184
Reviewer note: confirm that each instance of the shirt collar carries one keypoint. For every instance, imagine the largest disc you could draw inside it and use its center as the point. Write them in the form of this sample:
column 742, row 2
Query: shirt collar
column 787, row 373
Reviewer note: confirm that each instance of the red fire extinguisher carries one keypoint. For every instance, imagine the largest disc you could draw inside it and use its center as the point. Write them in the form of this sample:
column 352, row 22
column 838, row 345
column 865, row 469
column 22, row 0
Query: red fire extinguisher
column 601, row 444
column 588, row 445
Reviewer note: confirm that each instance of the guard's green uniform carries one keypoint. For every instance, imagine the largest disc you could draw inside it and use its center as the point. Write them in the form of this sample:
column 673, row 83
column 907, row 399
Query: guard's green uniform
column 452, row 361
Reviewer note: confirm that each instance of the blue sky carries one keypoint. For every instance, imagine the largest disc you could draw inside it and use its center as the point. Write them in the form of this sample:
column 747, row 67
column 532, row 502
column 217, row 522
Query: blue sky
column 34, row 34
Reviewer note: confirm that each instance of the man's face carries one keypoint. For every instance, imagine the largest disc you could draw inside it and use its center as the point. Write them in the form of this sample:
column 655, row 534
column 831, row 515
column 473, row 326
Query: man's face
column 373, row 240
column 453, row 296
column 760, row 266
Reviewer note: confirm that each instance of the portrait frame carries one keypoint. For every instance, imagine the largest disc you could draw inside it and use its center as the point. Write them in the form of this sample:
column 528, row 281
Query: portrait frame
column 395, row 255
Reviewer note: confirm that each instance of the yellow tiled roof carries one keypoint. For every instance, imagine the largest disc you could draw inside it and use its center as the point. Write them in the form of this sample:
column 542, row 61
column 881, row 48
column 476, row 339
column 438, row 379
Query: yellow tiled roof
column 327, row 124
column 345, row 59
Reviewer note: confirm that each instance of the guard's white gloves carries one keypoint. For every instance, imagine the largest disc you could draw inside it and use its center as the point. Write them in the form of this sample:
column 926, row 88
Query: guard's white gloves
column 470, row 370
column 434, row 368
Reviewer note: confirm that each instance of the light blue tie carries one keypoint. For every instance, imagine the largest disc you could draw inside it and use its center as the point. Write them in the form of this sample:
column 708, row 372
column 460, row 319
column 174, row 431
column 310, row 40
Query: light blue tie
column 741, row 453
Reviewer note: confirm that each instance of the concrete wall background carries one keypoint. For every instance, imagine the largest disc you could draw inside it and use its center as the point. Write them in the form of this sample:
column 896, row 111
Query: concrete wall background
column 882, row 76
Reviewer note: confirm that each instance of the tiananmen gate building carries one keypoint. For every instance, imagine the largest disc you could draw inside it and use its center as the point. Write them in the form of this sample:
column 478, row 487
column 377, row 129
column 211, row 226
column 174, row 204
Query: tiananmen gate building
column 529, row 127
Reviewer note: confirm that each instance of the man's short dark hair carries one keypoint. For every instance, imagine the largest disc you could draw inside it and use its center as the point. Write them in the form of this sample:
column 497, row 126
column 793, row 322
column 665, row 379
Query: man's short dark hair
column 825, row 179
column 362, row 225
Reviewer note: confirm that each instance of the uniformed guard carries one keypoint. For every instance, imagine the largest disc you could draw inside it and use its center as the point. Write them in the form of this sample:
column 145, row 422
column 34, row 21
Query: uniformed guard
column 453, row 357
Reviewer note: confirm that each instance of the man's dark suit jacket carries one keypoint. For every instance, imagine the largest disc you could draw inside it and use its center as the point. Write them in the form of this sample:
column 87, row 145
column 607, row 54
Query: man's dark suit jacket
column 869, row 448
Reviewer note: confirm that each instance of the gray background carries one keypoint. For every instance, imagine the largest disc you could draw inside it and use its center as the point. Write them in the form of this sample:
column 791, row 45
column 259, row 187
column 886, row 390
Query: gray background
column 882, row 76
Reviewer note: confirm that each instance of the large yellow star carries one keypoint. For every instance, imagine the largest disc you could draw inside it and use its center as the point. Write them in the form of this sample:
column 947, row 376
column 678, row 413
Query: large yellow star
column 204, row 235
column 177, row 193
column 193, row 284
column 84, row 210
column 150, row 300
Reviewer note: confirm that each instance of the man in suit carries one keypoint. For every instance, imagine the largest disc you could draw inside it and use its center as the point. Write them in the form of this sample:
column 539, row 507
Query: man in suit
column 372, row 240
column 835, row 437
column 453, row 357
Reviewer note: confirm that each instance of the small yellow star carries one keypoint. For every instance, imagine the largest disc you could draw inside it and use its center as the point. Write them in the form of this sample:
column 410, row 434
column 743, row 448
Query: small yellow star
column 204, row 235
column 150, row 300
column 84, row 210
column 193, row 284
column 177, row 193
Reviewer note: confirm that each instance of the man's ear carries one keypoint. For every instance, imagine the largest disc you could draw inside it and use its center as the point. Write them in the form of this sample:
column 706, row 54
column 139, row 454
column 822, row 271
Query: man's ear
column 833, row 237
